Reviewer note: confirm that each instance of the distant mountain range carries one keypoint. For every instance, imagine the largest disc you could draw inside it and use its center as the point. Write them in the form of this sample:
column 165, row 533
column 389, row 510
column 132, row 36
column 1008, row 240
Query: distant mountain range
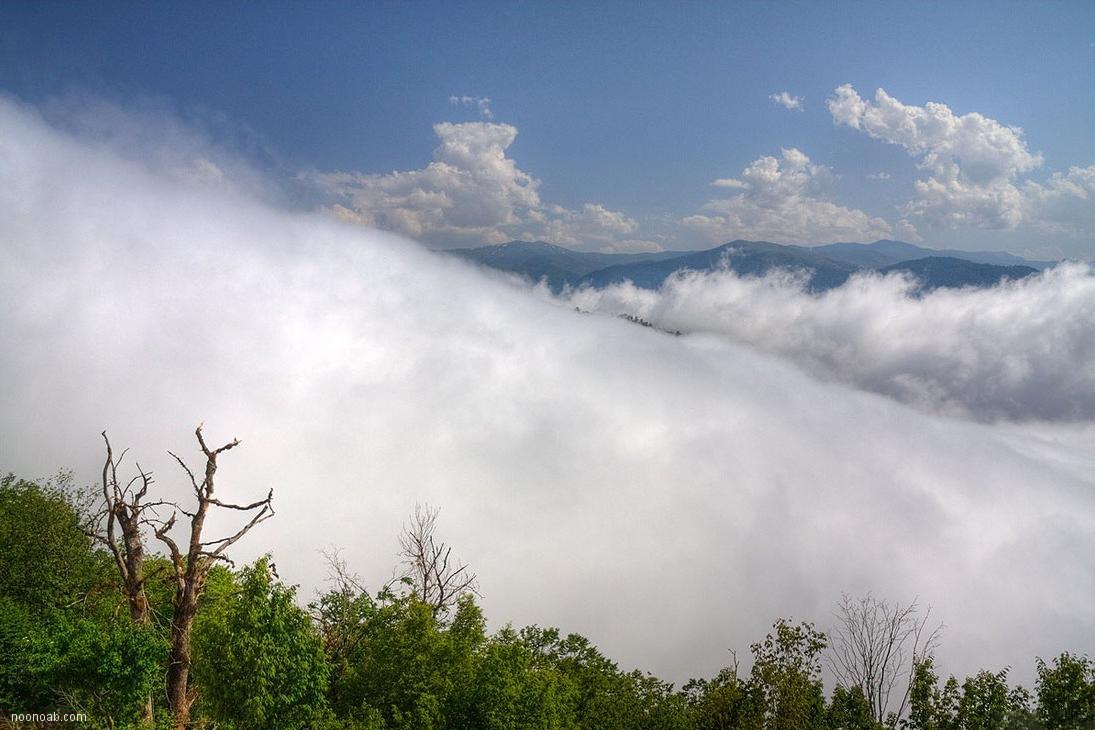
column 829, row 265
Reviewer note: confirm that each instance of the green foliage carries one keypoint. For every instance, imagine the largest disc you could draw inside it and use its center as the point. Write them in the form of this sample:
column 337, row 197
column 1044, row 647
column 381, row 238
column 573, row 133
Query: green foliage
column 787, row 675
column 726, row 702
column 783, row 692
column 391, row 657
column 849, row 709
column 106, row 667
column 987, row 703
column 591, row 691
column 511, row 687
column 1066, row 693
column 982, row 702
column 925, row 701
column 62, row 643
column 47, row 561
column 259, row 661
column 390, row 661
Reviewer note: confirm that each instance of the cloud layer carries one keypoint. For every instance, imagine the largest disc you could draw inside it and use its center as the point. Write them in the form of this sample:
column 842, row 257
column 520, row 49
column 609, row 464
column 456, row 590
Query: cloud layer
column 666, row 496
column 1024, row 350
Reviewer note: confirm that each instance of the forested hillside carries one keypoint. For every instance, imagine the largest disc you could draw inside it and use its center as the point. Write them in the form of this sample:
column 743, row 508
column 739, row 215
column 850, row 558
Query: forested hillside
column 91, row 621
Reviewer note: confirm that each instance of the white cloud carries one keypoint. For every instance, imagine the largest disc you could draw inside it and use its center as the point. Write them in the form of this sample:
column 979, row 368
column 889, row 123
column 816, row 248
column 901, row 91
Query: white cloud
column 971, row 147
column 1065, row 204
column 470, row 190
column 878, row 176
column 731, row 182
column 578, row 460
column 784, row 200
column 975, row 163
column 591, row 226
column 481, row 103
column 906, row 231
column 784, row 99
column 1023, row 350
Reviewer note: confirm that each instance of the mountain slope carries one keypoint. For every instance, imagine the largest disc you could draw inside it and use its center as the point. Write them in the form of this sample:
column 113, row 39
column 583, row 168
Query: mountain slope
column 935, row 272
column 886, row 253
column 749, row 258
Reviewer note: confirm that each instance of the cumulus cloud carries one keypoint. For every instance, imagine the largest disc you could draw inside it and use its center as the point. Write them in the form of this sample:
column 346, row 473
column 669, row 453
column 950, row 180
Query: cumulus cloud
column 593, row 226
column 878, row 176
column 1065, row 203
column 971, row 146
column 785, row 100
column 471, row 192
column 666, row 496
column 481, row 103
column 975, row 163
column 784, row 200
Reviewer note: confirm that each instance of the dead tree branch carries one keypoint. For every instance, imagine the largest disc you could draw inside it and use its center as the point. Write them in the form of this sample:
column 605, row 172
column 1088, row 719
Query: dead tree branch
column 437, row 578
column 192, row 569
column 876, row 645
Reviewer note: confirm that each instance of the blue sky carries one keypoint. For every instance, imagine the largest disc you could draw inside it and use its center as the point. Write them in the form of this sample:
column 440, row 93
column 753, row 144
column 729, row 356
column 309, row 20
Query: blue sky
column 608, row 123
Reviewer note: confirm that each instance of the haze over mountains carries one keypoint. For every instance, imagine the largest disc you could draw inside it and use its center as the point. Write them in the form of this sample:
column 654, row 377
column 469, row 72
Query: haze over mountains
column 829, row 265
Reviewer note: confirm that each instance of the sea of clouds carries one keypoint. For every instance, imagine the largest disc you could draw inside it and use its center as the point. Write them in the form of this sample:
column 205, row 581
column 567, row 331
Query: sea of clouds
column 1019, row 351
column 666, row 496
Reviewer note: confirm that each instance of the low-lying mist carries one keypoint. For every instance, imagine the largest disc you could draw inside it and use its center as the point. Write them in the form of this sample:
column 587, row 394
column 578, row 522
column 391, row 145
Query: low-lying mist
column 1022, row 350
column 666, row 496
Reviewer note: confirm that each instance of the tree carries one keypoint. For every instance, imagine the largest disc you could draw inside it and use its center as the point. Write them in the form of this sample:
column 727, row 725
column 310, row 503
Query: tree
column 438, row 579
column 512, row 687
column 985, row 703
column 875, row 646
column 787, row 676
column 192, row 568
column 925, row 701
column 1066, row 693
column 395, row 661
column 61, row 644
column 46, row 560
column 725, row 702
column 849, row 710
column 122, row 509
column 258, row 657
column 982, row 702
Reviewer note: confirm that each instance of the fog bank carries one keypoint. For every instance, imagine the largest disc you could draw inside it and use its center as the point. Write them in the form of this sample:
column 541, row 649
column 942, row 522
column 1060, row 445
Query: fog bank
column 667, row 497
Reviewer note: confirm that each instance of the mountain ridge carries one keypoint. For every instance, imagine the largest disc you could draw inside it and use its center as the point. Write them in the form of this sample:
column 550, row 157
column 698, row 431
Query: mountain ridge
column 830, row 265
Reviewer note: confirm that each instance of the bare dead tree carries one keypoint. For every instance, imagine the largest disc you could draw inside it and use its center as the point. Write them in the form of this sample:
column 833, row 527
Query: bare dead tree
column 122, row 511
column 192, row 567
column 876, row 646
column 438, row 579
column 339, row 575
column 340, row 613
column 117, row 524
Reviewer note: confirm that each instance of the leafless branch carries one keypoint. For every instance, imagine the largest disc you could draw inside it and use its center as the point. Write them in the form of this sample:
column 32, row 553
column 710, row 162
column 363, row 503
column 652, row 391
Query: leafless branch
column 436, row 578
column 875, row 645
